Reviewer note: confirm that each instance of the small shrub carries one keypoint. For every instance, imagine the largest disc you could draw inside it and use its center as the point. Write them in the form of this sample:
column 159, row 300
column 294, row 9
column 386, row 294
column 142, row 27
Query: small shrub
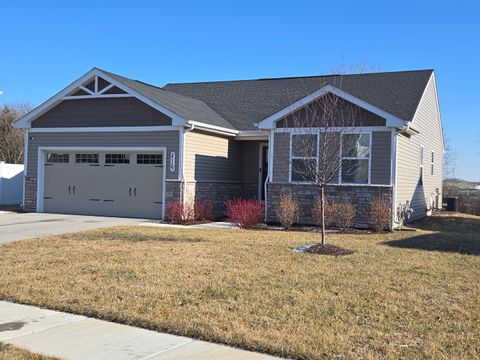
column 203, row 210
column 178, row 214
column 337, row 214
column 287, row 210
column 244, row 213
column 380, row 215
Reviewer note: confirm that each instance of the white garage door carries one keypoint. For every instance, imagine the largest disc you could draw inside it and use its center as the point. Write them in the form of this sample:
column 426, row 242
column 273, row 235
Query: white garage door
column 104, row 183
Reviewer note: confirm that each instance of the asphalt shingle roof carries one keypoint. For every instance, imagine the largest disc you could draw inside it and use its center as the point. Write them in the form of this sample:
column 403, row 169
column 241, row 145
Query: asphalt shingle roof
column 240, row 104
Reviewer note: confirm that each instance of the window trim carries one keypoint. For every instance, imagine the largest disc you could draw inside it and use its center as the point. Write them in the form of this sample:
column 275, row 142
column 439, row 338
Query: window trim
column 291, row 157
column 117, row 156
column 87, row 162
column 369, row 158
column 48, row 161
column 149, row 163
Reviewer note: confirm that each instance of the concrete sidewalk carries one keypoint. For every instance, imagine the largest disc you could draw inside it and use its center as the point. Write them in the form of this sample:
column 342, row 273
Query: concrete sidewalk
column 78, row 337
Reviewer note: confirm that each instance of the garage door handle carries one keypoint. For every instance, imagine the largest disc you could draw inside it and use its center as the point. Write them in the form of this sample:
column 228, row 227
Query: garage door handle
column 130, row 191
column 69, row 187
column 73, row 189
column 135, row 191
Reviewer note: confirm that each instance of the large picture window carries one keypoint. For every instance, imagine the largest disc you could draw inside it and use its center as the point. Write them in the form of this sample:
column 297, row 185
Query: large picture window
column 355, row 158
column 304, row 157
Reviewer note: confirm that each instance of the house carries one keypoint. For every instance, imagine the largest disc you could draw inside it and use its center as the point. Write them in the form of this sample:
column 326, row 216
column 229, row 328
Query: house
column 109, row 145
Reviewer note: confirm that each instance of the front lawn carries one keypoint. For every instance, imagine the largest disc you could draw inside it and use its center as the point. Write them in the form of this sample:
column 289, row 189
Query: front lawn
column 10, row 352
column 410, row 294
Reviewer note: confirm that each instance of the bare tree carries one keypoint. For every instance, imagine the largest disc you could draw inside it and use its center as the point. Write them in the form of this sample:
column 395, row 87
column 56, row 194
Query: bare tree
column 11, row 139
column 449, row 159
column 326, row 145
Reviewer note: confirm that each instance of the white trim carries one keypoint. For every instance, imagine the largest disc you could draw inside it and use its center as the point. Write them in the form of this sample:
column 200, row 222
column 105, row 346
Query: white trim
column 79, row 97
column 331, row 184
column 422, row 164
column 25, row 163
column 25, row 121
column 260, row 170
column 213, row 128
column 432, row 163
column 269, row 122
column 252, row 135
column 290, row 157
column 104, row 129
column 42, row 150
column 86, row 90
column 333, row 129
column 369, row 158
column 393, row 174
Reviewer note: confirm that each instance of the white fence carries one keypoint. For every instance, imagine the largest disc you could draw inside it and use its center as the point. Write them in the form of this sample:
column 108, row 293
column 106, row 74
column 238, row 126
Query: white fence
column 11, row 184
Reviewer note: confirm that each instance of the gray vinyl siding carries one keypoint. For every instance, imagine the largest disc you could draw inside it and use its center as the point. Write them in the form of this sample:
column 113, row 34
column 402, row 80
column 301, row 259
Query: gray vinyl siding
column 380, row 161
column 251, row 167
column 210, row 157
column 427, row 122
column 123, row 111
column 168, row 139
column 381, row 157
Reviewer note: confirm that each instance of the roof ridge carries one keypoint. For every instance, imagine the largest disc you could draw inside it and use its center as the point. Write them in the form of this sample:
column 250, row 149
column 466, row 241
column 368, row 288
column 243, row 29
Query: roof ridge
column 296, row 77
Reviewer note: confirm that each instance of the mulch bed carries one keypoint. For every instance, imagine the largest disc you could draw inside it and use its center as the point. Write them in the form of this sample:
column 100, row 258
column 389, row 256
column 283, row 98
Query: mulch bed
column 327, row 249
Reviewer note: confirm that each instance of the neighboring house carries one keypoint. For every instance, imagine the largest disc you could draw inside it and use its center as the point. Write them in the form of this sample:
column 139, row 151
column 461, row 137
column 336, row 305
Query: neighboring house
column 109, row 145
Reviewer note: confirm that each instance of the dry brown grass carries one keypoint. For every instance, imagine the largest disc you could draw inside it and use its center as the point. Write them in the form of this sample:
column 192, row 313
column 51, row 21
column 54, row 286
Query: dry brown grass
column 393, row 298
column 9, row 352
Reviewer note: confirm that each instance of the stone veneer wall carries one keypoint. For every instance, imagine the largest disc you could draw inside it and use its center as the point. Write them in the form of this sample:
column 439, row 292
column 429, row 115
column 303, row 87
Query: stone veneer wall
column 30, row 194
column 220, row 192
column 307, row 195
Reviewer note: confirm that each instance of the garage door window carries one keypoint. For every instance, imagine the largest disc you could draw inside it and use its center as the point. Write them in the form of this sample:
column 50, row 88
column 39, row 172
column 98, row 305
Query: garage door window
column 86, row 158
column 155, row 159
column 57, row 158
column 117, row 159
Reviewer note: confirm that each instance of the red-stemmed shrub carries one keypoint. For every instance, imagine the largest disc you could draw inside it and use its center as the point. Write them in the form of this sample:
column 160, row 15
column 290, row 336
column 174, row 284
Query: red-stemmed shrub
column 203, row 210
column 244, row 213
column 176, row 213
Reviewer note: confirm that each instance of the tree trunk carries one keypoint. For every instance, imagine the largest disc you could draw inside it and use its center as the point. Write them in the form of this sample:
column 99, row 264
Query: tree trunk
column 322, row 208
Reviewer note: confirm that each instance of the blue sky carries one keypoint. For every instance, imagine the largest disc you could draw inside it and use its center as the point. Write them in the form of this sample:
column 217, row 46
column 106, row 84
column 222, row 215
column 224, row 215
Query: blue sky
column 45, row 45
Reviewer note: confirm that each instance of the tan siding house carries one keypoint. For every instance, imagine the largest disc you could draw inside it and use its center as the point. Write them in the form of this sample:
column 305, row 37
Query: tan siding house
column 110, row 145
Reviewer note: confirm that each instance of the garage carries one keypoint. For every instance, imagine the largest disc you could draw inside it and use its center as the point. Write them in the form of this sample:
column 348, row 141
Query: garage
column 114, row 182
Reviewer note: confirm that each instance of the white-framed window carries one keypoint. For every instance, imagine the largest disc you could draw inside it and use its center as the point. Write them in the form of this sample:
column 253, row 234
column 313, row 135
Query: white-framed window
column 303, row 157
column 432, row 165
column 153, row 159
column 117, row 158
column 355, row 166
column 58, row 158
column 422, row 153
column 86, row 158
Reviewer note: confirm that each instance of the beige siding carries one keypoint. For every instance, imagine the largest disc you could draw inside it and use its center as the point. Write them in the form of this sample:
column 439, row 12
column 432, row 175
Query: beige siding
column 427, row 122
column 380, row 162
column 210, row 157
column 126, row 111
column 168, row 139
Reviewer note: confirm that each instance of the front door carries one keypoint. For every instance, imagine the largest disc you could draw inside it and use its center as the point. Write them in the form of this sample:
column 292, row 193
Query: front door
column 263, row 171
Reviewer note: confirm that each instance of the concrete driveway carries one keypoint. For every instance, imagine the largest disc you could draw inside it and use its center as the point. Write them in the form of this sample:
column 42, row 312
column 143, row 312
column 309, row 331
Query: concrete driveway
column 21, row 226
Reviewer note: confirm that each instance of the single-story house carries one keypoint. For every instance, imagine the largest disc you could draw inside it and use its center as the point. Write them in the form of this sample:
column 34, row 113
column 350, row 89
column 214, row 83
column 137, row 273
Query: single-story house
column 110, row 145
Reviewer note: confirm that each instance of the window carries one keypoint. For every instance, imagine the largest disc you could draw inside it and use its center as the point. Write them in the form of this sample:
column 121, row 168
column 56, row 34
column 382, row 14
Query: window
column 154, row 159
column 57, row 158
column 304, row 157
column 420, row 180
column 117, row 159
column 355, row 158
column 432, row 165
column 86, row 158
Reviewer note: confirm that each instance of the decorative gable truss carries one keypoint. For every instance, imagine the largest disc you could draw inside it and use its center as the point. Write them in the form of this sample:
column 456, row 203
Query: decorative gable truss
column 96, row 87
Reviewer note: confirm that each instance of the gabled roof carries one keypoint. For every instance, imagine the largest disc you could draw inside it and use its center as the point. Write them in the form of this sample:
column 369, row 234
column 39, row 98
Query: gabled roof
column 186, row 107
column 240, row 104
column 246, row 102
